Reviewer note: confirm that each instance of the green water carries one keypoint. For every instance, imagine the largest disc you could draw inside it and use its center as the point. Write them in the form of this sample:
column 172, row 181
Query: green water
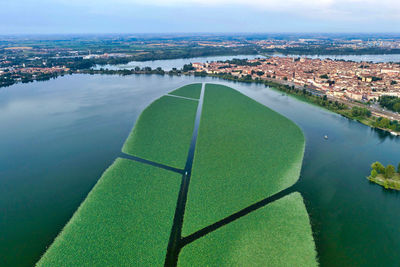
column 57, row 137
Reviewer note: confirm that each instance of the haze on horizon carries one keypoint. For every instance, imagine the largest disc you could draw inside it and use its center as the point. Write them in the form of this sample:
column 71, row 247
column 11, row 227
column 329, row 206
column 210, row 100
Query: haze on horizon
column 178, row 16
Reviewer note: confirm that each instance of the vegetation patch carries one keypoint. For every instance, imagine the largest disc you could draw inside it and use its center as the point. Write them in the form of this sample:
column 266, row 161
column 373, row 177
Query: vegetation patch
column 386, row 177
column 245, row 152
column 276, row 235
column 163, row 131
column 125, row 220
column 190, row 90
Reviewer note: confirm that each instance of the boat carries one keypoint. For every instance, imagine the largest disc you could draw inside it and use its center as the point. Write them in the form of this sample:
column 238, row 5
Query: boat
column 325, row 137
column 394, row 133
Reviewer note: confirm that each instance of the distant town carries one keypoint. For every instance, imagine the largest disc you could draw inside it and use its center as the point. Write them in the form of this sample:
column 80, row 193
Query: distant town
column 29, row 58
column 337, row 78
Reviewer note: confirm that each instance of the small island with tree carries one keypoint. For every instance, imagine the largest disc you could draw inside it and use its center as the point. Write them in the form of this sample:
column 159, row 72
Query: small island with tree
column 386, row 177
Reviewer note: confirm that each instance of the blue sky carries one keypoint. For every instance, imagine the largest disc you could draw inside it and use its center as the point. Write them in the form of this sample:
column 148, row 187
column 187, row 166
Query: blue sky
column 168, row 16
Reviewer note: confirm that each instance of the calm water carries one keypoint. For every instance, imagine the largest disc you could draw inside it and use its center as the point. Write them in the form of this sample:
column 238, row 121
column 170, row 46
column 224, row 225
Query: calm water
column 178, row 63
column 356, row 58
column 173, row 63
column 57, row 137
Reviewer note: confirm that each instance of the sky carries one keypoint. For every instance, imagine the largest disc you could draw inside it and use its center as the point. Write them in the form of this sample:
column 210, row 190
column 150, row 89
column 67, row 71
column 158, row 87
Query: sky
column 189, row 16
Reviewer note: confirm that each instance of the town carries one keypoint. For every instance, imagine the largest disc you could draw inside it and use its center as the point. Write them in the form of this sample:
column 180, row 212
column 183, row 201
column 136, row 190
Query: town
column 336, row 78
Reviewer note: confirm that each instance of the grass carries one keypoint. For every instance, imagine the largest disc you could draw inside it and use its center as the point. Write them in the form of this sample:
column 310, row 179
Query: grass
column 276, row 235
column 125, row 220
column 391, row 183
column 190, row 90
column 163, row 131
column 245, row 152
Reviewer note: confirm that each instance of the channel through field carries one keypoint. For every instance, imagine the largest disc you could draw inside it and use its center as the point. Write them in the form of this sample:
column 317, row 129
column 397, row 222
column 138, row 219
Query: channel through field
column 244, row 153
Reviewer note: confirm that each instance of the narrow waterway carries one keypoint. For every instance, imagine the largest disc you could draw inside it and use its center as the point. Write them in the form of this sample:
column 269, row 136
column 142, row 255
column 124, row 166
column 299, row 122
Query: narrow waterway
column 57, row 137
column 175, row 241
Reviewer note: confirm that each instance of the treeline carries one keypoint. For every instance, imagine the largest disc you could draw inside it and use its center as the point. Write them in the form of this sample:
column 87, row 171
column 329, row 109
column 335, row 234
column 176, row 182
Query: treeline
column 360, row 112
column 241, row 62
column 124, row 72
column 385, row 123
column 390, row 102
column 10, row 79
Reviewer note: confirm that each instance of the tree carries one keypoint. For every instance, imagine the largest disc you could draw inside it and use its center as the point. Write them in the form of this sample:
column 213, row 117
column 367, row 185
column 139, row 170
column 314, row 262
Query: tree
column 396, row 107
column 374, row 173
column 188, row 67
column 378, row 167
column 389, row 171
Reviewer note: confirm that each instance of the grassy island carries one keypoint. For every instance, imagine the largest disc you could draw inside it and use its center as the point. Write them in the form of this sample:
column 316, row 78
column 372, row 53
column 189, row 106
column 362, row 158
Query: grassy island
column 386, row 177
column 245, row 153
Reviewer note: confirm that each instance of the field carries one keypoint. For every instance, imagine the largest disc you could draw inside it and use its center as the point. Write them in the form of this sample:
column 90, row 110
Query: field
column 163, row 131
column 275, row 235
column 124, row 221
column 191, row 91
column 245, row 152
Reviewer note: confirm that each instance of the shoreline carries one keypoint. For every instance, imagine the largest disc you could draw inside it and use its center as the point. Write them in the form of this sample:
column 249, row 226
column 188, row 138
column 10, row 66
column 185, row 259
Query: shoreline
column 311, row 96
column 304, row 94
column 385, row 183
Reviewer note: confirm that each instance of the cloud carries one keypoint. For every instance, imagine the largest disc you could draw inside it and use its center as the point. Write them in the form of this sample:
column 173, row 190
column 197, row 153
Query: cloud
column 200, row 16
column 351, row 10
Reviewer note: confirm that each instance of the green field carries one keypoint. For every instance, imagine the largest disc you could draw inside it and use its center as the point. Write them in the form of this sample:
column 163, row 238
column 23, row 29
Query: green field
column 245, row 152
column 278, row 234
column 163, row 131
column 191, row 91
column 125, row 220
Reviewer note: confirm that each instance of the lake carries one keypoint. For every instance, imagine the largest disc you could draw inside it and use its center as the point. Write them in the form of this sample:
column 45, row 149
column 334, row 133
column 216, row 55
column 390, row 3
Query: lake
column 167, row 65
column 57, row 138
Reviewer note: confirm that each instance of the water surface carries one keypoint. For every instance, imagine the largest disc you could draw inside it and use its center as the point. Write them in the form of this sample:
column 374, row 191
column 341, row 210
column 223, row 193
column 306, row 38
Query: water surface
column 57, row 137
column 167, row 65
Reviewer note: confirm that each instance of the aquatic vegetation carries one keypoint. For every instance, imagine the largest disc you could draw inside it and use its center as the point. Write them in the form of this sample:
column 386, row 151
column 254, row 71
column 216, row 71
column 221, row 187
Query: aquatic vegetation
column 245, row 152
column 124, row 221
column 190, row 90
column 163, row 131
column 278, row 234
